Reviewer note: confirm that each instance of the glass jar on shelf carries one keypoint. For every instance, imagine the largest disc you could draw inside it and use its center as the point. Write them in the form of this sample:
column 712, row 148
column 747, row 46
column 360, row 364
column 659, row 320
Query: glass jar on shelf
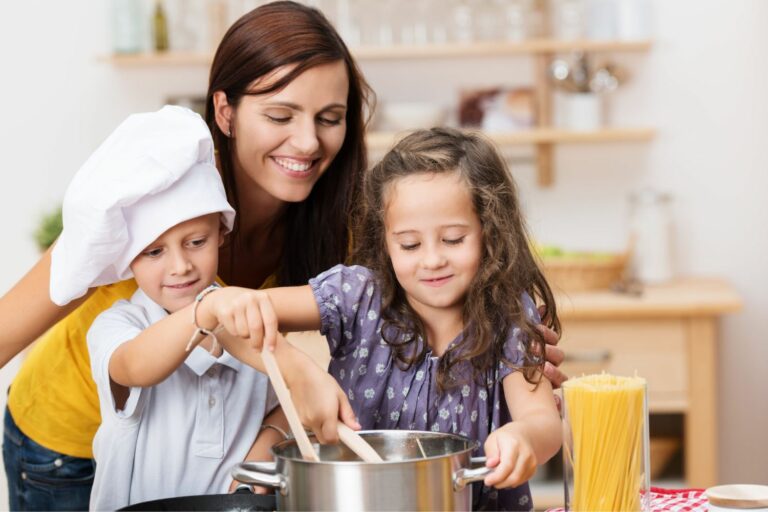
column 127, row 27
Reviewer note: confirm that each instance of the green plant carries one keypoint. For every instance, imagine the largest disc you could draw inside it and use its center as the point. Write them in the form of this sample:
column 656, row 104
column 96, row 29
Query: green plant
column 49, row 229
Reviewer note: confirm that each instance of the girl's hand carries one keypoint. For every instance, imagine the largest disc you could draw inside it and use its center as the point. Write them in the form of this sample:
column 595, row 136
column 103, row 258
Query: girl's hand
column 509, row 451
column 245, row 313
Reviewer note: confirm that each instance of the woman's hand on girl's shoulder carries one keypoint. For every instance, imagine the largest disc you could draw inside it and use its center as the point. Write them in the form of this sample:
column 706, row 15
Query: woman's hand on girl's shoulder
column 242, row 312
column 509, row 451
column 553, row 354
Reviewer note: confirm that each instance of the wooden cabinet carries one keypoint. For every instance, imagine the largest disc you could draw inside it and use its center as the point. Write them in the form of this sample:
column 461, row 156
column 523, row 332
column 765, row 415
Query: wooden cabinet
column 669, row 336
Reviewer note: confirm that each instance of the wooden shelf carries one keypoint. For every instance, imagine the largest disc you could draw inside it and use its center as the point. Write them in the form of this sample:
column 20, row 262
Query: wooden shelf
column 496, row 49
column 385, row 140
column 540, row 50
column 426, row 51
column 152, row 59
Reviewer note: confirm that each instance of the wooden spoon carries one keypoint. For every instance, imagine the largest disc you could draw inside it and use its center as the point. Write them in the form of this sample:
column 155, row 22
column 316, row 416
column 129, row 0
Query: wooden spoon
column 284, row 396
column 348, row 436
column 357, row 444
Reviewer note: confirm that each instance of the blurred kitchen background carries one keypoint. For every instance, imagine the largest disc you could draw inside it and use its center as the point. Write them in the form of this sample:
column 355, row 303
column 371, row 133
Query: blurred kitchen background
column 636, row 130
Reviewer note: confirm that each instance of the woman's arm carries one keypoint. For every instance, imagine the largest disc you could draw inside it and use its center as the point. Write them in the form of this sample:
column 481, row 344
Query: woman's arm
column 531, row 439
column 27, row 311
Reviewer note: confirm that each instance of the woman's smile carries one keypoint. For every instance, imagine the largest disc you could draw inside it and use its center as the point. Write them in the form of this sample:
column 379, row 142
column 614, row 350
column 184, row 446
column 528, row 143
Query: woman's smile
column 296, row 167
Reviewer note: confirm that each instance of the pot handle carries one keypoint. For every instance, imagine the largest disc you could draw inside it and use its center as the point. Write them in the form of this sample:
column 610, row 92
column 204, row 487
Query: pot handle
column 260, row 473
column 465, row 476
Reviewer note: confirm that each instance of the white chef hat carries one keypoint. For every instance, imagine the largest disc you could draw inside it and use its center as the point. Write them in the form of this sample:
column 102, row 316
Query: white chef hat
column 154, row 171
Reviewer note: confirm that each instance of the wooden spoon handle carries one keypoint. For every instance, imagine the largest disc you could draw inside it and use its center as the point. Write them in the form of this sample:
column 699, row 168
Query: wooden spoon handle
column 357, row 444
column 284, row 396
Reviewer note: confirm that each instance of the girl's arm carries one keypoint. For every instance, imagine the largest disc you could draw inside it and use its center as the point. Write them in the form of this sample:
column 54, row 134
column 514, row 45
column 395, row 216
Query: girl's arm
column 532, row 438
column 27, row 311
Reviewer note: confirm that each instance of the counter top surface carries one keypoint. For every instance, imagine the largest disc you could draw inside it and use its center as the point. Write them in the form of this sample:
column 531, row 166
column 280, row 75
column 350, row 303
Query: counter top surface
column 682, row 297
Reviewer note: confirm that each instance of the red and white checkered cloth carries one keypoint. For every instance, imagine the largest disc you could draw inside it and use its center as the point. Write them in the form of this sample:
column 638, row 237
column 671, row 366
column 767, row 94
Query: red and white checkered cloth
column 673, row 500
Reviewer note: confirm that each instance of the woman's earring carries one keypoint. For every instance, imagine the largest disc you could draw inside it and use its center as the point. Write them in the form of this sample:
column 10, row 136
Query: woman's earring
column 229, row 132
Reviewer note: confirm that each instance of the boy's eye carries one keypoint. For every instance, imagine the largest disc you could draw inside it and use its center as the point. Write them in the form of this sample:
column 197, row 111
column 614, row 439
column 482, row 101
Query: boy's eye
column 152, row 253
column 198, row 242
column 453, row 241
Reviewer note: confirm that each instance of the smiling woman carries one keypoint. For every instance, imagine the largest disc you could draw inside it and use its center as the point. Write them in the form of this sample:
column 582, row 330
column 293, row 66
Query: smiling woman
column 286, row 140
column 286, row 105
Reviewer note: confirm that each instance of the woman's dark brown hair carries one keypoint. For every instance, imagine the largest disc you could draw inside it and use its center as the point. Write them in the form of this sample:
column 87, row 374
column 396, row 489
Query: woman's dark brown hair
column 508, row 268
column 275, row 35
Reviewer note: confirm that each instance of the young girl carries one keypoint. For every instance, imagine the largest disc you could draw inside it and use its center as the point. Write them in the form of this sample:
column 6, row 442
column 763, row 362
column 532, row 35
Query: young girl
column 436, row 330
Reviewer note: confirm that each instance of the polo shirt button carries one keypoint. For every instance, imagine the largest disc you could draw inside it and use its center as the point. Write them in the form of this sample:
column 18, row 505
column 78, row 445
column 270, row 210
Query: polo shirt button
column 23, row 475
column 211, row 401
column 58, row 463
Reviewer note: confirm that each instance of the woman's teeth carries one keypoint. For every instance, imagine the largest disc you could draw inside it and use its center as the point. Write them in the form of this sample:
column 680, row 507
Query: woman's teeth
column 292, row 165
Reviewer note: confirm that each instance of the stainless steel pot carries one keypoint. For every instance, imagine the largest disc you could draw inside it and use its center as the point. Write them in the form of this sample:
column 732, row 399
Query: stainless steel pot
column 422, row 471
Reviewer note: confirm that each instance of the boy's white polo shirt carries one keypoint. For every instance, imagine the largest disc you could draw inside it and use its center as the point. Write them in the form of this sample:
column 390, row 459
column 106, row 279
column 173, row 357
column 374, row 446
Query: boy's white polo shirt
column 180, row 437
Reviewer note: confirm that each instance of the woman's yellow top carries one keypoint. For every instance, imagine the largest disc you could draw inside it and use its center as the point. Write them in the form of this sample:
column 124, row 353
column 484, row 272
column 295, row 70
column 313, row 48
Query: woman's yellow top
column 53, row 398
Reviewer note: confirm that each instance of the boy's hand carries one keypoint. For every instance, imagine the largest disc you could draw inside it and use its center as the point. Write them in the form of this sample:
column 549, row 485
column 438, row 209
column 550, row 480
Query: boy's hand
column 243, row 312
column 508, row 451
column 320, row 402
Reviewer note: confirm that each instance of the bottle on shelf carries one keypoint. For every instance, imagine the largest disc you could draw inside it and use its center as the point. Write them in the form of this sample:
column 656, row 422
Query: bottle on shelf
column 126, row 26
column 160, row 25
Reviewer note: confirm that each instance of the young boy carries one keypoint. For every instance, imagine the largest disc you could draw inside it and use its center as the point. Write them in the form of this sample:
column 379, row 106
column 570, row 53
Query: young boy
column 150, row 204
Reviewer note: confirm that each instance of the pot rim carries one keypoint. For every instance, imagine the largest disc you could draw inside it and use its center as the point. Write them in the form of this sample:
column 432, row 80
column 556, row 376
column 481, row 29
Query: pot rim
column 471, row 446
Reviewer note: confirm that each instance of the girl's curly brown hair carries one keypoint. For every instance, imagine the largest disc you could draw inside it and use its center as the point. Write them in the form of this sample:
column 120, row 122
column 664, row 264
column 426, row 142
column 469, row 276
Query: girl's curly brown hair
column 508, row 268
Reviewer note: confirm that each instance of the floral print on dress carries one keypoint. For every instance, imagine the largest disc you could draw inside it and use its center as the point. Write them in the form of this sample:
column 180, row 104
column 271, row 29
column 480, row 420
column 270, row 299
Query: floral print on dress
column 386, row 397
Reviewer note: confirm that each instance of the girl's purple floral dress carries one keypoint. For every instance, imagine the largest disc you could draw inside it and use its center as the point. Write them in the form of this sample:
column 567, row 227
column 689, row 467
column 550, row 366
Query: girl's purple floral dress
column 386, row 397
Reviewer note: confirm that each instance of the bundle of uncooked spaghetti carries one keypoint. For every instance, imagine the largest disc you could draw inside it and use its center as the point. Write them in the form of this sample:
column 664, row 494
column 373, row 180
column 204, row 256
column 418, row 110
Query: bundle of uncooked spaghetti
column 607, row 416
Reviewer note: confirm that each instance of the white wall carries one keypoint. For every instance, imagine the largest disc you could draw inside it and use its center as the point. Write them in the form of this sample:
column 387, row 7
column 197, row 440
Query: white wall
column 704, row 85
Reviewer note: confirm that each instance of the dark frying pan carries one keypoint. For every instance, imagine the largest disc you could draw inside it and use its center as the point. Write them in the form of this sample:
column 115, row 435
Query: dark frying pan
column 241, row 500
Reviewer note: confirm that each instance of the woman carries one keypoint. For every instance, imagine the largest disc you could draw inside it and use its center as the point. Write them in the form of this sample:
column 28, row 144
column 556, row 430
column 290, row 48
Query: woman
column 286, row 107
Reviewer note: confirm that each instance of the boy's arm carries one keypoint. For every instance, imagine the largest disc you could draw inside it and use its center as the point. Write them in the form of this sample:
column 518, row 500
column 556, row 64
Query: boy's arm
column 155, row 353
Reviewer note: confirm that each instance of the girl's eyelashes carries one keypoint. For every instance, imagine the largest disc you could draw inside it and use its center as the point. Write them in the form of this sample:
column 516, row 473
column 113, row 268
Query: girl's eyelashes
column 454, row 241
column 409, row 247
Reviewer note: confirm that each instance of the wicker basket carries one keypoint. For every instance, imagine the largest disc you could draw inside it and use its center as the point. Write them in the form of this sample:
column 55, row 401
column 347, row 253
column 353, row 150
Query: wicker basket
column 579, row 273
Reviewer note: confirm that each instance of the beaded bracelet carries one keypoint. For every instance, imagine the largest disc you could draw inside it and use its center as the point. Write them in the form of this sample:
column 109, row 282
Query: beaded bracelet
column 193, row 341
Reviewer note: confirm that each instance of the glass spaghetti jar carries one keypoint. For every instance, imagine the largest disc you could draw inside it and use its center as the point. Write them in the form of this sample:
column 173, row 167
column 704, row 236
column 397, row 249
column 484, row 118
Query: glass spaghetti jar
column 606, row 444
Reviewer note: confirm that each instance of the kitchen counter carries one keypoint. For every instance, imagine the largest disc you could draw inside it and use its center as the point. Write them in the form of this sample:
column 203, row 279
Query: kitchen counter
column 685, row 296
column 669, row 335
